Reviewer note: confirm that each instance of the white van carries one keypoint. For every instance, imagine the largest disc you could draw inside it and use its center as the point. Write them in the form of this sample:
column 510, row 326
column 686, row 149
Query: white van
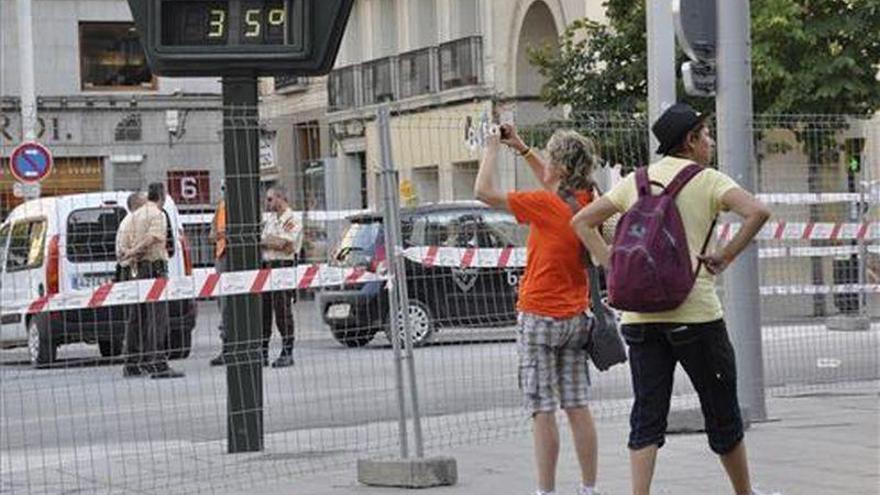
column 67, row 243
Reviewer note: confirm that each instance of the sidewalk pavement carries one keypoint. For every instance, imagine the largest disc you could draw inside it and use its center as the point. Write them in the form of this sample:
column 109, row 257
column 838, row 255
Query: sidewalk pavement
column 813, row 444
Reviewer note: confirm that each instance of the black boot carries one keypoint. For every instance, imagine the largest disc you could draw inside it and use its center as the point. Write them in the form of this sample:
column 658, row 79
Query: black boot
column 286, row 357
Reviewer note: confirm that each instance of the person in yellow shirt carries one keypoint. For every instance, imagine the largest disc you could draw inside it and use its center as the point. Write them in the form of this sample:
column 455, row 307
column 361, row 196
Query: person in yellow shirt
column 693, row 334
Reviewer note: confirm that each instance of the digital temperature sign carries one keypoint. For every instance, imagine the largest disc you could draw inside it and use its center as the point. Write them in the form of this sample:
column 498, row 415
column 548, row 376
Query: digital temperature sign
column 260, row 22
column 246, row 37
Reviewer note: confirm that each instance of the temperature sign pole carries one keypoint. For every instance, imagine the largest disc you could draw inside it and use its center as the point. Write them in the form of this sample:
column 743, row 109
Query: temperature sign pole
column 241, row 40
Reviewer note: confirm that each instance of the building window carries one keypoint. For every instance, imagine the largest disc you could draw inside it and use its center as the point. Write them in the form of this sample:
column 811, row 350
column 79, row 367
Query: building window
column 415, row 73
column 463, row 177
column 378, row 82
column 287, row 81
column 461, row 63
column 341, row 89
column 427, row 184
column 111, row 57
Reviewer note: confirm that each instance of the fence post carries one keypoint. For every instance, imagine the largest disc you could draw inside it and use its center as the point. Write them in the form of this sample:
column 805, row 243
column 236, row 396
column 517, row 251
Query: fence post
column 405, row 472
column 393, row 241
column 242, row 313
column 395, row 277
column 736, row 156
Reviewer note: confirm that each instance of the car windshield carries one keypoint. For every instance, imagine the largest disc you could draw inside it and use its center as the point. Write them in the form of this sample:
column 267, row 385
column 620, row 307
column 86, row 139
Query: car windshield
column 358, row 244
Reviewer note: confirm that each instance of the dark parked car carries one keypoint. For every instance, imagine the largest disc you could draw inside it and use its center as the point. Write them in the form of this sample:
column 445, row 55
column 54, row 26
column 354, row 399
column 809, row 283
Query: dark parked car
column 439, row 296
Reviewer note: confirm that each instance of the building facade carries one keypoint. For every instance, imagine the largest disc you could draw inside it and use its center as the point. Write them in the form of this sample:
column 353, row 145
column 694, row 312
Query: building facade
column 445, row 65
column 110, row 123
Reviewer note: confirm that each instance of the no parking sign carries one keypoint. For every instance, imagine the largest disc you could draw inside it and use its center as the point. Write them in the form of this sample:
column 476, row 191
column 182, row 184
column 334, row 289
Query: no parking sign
column 30, row 162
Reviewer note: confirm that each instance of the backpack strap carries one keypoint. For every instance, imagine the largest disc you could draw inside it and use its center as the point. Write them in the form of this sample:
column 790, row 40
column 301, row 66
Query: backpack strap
column 643, row 183
column 591, row 269
column 681, row 179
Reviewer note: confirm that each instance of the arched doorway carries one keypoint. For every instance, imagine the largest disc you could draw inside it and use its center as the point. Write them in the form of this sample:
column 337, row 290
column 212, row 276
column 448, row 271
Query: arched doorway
column 538, row 28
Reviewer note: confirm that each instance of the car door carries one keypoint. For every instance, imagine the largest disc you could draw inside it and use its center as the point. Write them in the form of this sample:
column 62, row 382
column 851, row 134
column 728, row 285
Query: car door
column 24, row 274
column 451, row 290
column 496, row 287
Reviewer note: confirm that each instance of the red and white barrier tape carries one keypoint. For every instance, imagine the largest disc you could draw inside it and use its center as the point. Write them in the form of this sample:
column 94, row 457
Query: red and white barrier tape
column 808, row 231
column 206, row 284
column 203, row 285
column 815, row 198
column 434, row 256
column 795, row 290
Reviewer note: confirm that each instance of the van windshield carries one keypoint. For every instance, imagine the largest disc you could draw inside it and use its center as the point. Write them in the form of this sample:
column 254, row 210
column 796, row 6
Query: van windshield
column 358, row 244
column 91, row 234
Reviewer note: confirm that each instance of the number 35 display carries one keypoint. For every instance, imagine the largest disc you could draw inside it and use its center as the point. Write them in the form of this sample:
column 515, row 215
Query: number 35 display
column 240, row 37
column 247, row 22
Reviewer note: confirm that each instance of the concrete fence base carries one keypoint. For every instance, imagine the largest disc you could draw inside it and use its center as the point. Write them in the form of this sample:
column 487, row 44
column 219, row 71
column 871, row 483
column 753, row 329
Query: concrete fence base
column 408, row 473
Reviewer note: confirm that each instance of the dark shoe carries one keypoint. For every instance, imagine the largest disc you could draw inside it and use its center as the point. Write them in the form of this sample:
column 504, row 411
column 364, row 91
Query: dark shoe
column 132, row 370
column 283, row 361
column 265, row 361
column 164, row 371
column 219, row 360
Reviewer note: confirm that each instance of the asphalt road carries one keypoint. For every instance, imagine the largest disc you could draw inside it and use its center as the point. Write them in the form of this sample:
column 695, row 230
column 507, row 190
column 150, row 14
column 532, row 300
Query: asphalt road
column 333, row 400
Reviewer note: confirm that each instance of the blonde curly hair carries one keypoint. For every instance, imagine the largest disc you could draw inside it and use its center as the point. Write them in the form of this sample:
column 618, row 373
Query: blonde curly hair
column 577, row 157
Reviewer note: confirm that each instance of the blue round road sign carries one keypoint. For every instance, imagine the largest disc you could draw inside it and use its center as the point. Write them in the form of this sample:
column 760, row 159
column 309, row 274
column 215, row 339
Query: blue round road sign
column 30, row 162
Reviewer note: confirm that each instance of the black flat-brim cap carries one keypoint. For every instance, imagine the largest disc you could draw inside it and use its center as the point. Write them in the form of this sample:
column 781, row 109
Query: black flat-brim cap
column 674, row 124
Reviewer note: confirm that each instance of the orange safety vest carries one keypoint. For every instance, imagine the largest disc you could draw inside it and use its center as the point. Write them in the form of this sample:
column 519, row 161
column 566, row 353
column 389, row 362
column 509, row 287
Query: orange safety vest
column 220, row 229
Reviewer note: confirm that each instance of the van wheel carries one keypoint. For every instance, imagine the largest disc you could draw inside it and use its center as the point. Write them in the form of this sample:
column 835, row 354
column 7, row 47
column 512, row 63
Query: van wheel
column 41, row 349
column 351, row 337
column 111, row 347
column 420, row 321
column 179, row 344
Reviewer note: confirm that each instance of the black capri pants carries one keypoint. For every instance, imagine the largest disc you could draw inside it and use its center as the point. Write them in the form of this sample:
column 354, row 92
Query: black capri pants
column 705, row 353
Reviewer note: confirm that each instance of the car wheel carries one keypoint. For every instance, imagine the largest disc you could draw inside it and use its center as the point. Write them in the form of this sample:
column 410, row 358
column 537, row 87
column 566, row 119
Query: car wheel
column 179, row 344
column 353, row 337
column 41, row 349
column 420, row 321
column 111, row 347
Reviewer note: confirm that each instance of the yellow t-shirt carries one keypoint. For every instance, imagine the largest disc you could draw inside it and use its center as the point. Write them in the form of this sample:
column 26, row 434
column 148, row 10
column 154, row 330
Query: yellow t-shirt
column 698, row 202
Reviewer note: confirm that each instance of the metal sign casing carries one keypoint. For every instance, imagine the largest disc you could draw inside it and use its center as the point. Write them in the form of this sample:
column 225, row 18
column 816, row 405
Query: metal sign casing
column 30, row 162
column 696, row 28
column 198, row 38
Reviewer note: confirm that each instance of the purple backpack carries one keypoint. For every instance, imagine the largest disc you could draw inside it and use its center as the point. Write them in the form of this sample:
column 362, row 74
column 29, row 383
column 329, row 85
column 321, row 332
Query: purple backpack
column 650, row 261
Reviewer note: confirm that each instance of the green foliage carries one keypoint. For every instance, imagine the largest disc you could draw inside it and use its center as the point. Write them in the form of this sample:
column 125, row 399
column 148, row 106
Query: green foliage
column 808, row 56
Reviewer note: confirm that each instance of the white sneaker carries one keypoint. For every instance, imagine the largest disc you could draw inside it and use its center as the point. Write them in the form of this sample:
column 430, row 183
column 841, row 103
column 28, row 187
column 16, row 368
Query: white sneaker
column 582, row 490
column 758, row 492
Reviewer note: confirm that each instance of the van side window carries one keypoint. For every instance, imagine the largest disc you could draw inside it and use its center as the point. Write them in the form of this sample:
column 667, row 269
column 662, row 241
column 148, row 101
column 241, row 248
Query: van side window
column 26, row 242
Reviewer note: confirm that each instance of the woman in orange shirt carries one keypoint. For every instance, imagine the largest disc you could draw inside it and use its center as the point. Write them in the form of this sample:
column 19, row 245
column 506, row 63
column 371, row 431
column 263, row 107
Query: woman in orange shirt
column 553, row 295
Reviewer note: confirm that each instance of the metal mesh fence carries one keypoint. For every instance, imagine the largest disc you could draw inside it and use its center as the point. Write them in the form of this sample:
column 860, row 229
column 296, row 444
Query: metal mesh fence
column 72, row 421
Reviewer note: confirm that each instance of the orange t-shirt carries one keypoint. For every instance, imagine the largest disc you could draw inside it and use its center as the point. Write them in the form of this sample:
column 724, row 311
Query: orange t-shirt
column 220, row 229
column 555, row 282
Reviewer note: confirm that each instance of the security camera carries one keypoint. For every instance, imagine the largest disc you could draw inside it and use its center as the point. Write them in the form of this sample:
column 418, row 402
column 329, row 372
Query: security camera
column 172, row 121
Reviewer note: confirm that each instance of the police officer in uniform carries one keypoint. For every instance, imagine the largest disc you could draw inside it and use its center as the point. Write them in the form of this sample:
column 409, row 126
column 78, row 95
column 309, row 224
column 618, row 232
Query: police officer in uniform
column 281, row 241
column 148, row 259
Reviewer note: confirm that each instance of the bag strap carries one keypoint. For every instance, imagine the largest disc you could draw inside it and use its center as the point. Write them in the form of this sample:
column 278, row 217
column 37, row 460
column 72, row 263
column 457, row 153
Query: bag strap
column 591, row 269
column 674, row 187
column 643, row 183
column 681, row 179
column 705, row 245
